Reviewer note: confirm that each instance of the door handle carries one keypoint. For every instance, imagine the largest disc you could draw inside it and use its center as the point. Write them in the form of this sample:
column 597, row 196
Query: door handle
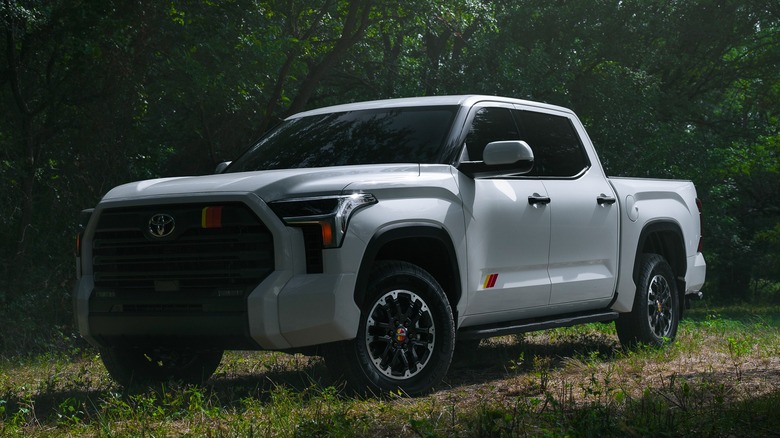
column 538, row 199
column 604, row 199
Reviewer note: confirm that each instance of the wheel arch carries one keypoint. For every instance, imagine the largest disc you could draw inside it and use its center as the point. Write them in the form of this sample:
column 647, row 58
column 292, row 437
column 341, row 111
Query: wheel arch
column 428, row 246
column 664, row 238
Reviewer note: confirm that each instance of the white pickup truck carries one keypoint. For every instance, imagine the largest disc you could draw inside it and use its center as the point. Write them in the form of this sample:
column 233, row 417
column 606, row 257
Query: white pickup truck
column 381, row 235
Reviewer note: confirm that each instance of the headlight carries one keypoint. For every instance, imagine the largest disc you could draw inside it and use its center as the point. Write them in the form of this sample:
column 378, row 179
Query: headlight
column 330, row 213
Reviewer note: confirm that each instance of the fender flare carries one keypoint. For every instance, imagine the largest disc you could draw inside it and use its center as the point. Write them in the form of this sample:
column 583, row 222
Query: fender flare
column 675, row 246
column 403, row 231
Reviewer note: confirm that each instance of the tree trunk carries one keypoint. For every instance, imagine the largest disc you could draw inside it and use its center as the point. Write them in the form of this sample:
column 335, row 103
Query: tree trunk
column 354, row 27
column 30, row 148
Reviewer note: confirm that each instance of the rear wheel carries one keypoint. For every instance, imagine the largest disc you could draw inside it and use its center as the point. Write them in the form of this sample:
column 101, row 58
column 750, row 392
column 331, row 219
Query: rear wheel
column 130, row 366
column 656, row 312
column 406, row 334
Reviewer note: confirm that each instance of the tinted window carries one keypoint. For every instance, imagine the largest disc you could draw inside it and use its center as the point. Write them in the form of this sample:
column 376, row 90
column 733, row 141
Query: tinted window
column 397, row 135
column 490, row 124
column 557, row 148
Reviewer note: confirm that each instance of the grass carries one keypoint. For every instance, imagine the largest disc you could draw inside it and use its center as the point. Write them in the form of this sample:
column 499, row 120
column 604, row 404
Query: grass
column 720, row 378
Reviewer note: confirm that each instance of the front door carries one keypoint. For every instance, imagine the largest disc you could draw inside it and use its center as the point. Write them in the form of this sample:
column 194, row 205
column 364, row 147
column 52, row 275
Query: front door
column 507, row 227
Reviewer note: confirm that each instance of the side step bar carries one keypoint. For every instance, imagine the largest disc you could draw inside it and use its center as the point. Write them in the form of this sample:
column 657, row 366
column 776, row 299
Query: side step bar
column 489, row 331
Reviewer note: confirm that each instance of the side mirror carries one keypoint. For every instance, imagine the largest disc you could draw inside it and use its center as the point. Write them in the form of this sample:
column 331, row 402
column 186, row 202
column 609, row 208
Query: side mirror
column 508, row 152
column 501, row 158
column 222, row 166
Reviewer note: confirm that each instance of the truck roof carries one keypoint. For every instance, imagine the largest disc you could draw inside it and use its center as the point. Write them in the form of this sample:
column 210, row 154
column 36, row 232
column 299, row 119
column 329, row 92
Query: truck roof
column 460, row 100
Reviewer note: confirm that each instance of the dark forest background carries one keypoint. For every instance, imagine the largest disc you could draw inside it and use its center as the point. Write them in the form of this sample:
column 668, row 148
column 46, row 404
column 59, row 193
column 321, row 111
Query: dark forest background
column 95, row 93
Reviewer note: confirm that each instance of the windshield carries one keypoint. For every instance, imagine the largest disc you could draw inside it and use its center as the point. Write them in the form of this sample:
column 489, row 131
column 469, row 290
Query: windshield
column 389, row 135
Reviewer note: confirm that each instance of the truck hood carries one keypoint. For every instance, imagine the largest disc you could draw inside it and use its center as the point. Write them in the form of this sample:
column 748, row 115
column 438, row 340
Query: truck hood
column 269, row 185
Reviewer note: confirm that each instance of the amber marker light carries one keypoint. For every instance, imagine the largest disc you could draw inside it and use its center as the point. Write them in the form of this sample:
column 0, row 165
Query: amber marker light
column 327, row 234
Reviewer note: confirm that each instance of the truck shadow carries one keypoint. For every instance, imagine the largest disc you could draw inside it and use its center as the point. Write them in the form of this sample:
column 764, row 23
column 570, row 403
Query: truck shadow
column 498, row 359
column 493, row 360
column 301, row 375
column 259, row 377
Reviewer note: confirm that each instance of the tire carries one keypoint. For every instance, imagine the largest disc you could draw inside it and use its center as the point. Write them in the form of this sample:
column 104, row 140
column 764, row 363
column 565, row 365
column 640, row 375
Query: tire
column 406, row 335
column 129, row 366
column 655, row 315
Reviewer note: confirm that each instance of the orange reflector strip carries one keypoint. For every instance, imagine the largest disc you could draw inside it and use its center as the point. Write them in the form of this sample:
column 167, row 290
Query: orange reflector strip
column 211, row 217
column 327, row 234
column 490, row 281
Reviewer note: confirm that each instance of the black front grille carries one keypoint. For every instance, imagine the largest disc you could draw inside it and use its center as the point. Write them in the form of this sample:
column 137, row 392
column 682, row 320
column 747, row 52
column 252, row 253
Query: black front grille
column 203, row 255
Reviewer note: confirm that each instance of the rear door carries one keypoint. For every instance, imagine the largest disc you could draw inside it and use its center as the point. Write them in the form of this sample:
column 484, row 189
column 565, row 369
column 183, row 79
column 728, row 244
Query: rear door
column 584, row 213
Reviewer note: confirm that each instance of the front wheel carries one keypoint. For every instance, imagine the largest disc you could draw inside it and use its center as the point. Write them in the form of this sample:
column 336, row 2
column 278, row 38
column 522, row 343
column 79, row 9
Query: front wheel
column 656, row 312
column 406, row 334
column 130, row 366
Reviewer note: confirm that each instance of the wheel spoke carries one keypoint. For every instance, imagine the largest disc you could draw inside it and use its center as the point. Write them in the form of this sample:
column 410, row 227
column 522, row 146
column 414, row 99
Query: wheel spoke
column 382, row 326
column 415, row 317
column 386, row 357
column 427, row 331
column 388, row 312
column 406, row 365
column 415, row 358
column 385, row 339
column 411, row 313
column 398, row 312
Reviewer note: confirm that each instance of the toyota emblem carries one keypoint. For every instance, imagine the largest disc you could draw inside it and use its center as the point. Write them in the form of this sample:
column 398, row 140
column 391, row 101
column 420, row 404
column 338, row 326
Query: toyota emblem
column 161, row 225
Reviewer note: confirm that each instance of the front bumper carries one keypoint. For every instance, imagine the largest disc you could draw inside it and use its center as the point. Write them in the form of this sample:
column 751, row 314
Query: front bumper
column 289, row 308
